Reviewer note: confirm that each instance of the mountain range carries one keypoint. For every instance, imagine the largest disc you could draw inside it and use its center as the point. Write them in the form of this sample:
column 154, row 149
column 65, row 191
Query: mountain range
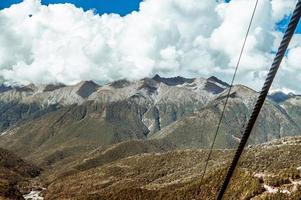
column 81, row 130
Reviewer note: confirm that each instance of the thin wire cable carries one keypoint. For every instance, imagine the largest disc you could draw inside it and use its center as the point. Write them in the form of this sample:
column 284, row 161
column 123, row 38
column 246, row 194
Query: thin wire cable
column 263, row 94
column 229, row 91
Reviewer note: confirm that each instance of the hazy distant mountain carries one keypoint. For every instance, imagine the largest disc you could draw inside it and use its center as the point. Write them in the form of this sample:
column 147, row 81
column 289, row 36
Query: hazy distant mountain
column 280, row 97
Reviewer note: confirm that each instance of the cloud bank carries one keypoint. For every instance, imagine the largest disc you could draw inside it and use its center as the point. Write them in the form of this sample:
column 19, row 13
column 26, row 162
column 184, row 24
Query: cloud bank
column 193, row 38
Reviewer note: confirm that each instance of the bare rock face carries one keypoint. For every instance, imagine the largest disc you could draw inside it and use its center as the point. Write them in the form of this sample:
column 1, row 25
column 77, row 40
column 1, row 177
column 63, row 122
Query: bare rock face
column 218, row 81
column 172, row 81
column 60, row 121
column 215, row 86
column 197, row 130
column 52, row 87
column 86, row 88
column 120, row 83
column 162, row 100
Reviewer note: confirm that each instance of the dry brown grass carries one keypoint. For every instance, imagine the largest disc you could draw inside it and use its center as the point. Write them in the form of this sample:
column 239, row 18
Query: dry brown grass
column 176, row 175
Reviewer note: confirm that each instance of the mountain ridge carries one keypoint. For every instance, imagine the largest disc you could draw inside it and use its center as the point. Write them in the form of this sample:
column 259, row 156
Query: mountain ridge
column 182, row 114
column 80, row 130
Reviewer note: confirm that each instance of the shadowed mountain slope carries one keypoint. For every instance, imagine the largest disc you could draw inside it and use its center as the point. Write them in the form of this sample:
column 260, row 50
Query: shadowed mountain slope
column 14, row 175
column 197, row 130
column 75, row 129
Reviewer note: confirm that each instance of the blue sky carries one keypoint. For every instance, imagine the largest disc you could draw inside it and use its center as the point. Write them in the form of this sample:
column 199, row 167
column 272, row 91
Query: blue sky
column 121, row 7
column 281, row 26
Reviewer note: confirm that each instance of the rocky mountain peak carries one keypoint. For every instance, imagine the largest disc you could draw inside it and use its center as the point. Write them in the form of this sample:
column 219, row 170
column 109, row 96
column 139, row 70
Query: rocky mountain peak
column 240, row 91
column 120, row 83
column 173, row 81
column 52, row 87
column 149, row 85
column 40, row 88
column 86, row 88
column 279, row 96
column 214, row 79
column 27, row 88
column 4, row 88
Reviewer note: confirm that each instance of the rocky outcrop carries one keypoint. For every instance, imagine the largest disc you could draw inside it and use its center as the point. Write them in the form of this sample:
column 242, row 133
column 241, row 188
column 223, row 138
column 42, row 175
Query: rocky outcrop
column 14, row 174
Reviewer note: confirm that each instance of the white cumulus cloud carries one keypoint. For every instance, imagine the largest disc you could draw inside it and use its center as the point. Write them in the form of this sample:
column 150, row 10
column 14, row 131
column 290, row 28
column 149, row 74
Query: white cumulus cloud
column 62, row 43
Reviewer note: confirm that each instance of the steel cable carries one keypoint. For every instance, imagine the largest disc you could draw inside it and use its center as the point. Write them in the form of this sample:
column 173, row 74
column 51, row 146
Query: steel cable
column 263, row 94
column 229, row 92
